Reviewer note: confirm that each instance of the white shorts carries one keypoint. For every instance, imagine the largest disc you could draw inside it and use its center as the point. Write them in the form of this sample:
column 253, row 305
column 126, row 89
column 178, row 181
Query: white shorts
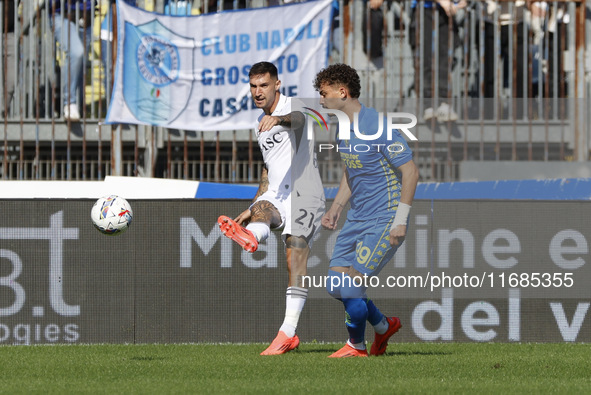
column 300, row 216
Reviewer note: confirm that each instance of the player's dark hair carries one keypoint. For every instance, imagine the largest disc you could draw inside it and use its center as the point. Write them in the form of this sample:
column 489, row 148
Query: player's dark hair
column 340, row 74
column 263, row 68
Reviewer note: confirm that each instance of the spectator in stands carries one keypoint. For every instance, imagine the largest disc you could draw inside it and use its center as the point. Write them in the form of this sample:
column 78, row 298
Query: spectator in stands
column 532, row 16
column 507, row 22
column 107, row 13
column 8, row 54
column 556, row 30
column 336, row 28
column 376, row 23
column 444, row 11
column 372, row 37
column 73, row 35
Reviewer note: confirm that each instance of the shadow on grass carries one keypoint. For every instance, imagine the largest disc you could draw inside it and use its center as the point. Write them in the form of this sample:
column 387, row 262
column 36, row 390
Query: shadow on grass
column 387, row 354
column 413, row 353
column 146, row 358
column 316, row 350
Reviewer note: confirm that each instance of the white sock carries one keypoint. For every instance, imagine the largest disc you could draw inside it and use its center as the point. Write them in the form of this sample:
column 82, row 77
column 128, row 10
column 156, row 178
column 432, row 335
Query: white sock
column 260, row 230
column 382, row 326
column 294, row 304
column 357, row 346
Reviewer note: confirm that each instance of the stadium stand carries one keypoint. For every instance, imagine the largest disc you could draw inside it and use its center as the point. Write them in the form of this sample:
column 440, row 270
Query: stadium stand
column 506, row 112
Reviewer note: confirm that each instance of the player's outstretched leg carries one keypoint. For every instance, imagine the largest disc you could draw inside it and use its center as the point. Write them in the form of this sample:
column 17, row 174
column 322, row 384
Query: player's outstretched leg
column 282, row 344
column 381, row 340
column 244, row 237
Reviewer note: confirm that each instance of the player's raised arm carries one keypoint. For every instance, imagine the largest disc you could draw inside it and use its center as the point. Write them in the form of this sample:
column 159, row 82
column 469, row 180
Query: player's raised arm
column 294, row 120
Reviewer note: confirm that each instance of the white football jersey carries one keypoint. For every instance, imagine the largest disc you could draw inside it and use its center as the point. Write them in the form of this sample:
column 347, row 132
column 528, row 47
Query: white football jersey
column 290, row 157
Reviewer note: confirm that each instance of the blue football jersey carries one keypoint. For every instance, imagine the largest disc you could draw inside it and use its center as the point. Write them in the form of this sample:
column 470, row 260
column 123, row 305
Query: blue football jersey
column 374, row 178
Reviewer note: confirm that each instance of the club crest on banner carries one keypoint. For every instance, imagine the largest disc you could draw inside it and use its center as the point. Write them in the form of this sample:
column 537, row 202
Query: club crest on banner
column 153, row 63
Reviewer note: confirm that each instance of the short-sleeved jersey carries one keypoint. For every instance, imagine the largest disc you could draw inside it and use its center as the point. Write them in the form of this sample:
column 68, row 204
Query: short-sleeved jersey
column 372, row 165
column 290, row 157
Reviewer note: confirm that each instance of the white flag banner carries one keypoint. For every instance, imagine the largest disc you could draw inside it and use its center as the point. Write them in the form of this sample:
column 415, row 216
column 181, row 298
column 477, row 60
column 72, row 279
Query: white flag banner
column 191, row 72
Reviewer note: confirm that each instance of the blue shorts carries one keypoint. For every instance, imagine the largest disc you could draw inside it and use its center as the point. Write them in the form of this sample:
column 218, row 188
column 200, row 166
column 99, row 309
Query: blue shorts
column 365, row 245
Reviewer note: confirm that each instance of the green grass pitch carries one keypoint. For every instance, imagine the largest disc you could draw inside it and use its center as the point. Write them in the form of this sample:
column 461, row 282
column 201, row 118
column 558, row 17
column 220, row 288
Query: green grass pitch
column 231, row 368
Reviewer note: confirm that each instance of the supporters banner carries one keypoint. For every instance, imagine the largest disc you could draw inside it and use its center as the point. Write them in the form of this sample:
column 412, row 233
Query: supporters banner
column 191, row 72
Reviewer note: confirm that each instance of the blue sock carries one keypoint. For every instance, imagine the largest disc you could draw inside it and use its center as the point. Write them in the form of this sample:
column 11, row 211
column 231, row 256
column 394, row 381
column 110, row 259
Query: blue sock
column 356, row 310
column 374, row 315
column 356, row 315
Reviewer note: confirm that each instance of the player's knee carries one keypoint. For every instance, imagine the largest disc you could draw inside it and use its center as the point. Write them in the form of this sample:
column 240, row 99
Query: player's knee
column 333, row 291
column 352, row 288
column 265, row 211
column 333, row 284
column 296, row 242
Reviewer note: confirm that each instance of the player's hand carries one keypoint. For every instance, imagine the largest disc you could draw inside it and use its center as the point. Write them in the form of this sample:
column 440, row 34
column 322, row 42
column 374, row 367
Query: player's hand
column 397, row 235
column 330, row 219
column 267, row 123
column 244, row 217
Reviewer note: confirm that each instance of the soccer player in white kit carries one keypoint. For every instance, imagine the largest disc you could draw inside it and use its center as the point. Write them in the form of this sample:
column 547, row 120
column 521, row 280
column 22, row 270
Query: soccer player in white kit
column 290, row 194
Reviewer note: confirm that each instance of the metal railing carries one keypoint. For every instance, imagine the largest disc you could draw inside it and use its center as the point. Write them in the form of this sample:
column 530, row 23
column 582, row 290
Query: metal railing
column 519, row 86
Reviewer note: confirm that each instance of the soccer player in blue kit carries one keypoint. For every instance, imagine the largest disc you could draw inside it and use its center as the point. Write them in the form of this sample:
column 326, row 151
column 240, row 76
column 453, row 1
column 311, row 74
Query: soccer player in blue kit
column 380, row 184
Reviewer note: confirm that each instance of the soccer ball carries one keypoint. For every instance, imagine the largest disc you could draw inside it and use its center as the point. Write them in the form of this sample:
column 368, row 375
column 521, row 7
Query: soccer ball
column 111, row 215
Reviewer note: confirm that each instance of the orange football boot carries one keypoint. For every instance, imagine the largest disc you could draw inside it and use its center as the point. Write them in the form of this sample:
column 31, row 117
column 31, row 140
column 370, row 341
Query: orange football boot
column 244, row 237
column 381, row 341
column 282, row 344
column 348, row 351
